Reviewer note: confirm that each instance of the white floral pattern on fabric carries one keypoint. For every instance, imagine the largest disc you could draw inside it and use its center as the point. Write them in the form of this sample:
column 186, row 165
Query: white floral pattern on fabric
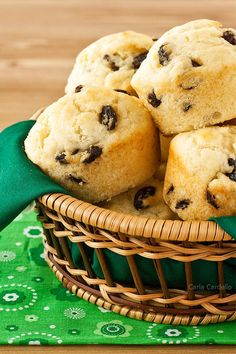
column 31, row 318
column 170, row 334
column 73, row 332
column 33, row 231
column 16, row 297
column 12, row 328
column 75, row 313
column 114, row 328
column 10, row 297
column 7, row 256
column 35, row 338
column 21, row 269
column 52, row 326
column 34, row 342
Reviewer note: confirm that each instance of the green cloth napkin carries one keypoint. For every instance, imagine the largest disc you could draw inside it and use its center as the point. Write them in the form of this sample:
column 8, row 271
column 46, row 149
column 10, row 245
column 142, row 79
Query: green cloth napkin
column 35, row 308
column 204, row 272
column 227, row 223
column 20, row 180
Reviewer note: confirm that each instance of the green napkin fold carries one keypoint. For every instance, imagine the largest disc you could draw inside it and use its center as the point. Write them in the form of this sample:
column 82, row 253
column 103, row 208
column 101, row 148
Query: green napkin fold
column 227, row 223
column 21, row 181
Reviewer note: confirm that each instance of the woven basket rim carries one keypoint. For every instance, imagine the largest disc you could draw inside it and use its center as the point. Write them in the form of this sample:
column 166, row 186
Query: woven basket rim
column 137, row 226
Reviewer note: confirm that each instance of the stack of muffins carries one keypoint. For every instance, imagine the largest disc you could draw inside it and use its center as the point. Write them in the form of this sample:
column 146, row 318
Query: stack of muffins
column 133, row 105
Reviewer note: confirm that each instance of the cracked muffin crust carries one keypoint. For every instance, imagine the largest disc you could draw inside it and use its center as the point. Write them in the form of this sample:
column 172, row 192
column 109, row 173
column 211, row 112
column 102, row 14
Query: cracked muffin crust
column 96, row 143
column 200, row 180
column 188, row 79
column 110, row 62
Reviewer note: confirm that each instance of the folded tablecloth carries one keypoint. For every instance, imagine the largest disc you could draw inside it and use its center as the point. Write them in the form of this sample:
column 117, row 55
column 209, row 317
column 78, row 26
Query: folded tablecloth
column 35, row 308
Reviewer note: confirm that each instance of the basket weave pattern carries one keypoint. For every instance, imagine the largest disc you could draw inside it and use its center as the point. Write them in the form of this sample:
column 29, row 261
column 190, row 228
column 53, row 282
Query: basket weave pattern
column 66, row 218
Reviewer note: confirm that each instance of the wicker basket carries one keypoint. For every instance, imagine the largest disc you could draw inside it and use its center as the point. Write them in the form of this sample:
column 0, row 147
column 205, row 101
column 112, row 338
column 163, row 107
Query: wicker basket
column 65, row 218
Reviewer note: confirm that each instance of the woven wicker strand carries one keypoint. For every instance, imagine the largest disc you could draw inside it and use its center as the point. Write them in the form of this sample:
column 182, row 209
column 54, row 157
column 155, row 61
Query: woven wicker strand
column 132, row 225
column 150, row 316
column 66, row 219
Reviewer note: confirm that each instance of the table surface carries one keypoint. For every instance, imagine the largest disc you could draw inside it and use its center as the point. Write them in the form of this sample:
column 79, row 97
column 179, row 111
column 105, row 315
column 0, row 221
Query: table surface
column 38, row 44
column 118, row 349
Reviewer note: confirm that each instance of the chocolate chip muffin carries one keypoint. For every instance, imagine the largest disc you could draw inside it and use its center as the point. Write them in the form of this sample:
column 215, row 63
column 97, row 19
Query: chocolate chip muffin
column 200, row 180
column 110, row 62
column 188, row 79
column 96, row 143
column 144, row 200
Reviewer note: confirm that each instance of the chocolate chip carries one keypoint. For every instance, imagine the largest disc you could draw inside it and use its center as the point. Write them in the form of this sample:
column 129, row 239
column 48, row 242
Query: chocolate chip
column 171, row 189
column 78, row 88
column 61, row 158
column 111, row 63
column 114, row 67
column 142, row 194
column 153, row 100
column 139, row 59
column 154, row 39
column 78, row 180
column 195, row 64
column 74, row 152
column 108, row 117
column 211, row 200
column 232, row 175
column 230, row 37
column 186, row 106
column 182, row 204
column 164, row 56
column 232, row 162
column 122, row 91
column 92, row 153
